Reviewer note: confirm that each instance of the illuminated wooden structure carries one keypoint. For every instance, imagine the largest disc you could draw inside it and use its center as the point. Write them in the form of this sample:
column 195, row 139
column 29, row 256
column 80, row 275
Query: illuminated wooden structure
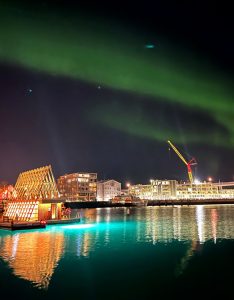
column 36, row 184
column 37, row 197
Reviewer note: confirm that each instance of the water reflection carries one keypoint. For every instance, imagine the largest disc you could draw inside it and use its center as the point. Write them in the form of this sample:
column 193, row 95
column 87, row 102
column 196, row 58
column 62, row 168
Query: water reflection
column 192, row 248
column 35, row 255
column 214, row 219
column 200, row 222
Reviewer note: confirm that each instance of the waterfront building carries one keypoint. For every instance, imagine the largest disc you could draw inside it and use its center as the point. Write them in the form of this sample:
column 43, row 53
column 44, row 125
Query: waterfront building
column 143, row 191
column 163, row 189
column 156, row 190
column 171, row 189
column 197, row 190
column 226, row 189
column 37, row 197
column 78, row 187
column 108, row 189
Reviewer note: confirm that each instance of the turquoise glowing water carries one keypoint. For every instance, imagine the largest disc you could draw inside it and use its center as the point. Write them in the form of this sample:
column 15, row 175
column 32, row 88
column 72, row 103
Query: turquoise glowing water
column 144, row 253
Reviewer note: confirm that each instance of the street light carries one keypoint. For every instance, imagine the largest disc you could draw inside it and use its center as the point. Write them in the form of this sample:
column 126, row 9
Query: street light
column 197, row 181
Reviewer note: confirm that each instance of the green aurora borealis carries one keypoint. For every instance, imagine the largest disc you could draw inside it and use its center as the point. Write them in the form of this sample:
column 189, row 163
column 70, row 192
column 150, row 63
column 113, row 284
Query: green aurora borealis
column 104, row 54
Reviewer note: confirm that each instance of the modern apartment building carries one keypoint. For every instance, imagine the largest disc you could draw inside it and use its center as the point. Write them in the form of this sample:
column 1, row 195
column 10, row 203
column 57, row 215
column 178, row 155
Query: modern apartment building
column 78, row 187
column 197, row 190
column 163, row 189
column 171, row 189
column 108, row 189
column 143, row 191
column 157, row 189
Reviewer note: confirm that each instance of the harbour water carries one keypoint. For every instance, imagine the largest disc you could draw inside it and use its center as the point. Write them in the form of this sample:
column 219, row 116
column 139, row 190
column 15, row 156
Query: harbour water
column 123, row 253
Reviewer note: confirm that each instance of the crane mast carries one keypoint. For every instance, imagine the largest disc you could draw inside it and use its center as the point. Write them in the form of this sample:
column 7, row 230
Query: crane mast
column 188, row 164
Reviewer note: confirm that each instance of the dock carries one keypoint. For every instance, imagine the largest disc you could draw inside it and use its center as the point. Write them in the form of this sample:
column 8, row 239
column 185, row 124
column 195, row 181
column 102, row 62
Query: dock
column 13, row 225
column 21, row 225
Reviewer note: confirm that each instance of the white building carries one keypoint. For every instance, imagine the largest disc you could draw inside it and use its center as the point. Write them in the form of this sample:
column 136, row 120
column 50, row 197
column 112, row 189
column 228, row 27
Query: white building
column 143, row 191
column 108, row 189
column 156, row 190
column 163, row 189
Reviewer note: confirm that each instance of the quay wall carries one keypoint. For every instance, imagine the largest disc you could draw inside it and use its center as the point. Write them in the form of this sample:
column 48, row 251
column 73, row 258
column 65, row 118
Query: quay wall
column 95, row 204
column 100, row 204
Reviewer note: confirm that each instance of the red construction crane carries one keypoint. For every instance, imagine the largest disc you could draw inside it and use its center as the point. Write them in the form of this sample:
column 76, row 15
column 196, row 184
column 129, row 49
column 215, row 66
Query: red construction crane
column 190, row 163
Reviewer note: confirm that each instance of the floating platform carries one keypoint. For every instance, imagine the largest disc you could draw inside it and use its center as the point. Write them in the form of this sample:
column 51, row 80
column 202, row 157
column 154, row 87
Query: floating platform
column 22, row 225
column 35, row 224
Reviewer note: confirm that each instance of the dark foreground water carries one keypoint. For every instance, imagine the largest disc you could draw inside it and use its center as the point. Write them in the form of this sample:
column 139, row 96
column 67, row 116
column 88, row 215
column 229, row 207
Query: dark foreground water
column 117, row 253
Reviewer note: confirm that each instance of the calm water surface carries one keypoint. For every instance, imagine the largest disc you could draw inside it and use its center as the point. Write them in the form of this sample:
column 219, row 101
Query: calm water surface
column 117, row 253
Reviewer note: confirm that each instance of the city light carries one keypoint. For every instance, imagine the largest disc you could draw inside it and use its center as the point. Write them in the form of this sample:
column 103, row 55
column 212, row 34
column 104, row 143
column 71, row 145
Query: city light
column 197, row 181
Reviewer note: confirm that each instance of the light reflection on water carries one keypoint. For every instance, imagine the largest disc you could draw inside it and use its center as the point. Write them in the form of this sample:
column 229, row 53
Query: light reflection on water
column 35, row 255
column 32, row 255
column 77, row 226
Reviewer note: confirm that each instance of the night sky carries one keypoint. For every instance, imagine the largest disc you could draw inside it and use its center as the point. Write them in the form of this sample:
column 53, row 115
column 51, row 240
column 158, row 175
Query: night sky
column 101, row 88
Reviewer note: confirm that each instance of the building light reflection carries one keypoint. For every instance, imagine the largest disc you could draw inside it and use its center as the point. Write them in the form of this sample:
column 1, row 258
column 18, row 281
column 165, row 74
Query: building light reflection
column 214, row 219
column 200, row 221
column 15, row 245
column 43, row 251
column 192, row 225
